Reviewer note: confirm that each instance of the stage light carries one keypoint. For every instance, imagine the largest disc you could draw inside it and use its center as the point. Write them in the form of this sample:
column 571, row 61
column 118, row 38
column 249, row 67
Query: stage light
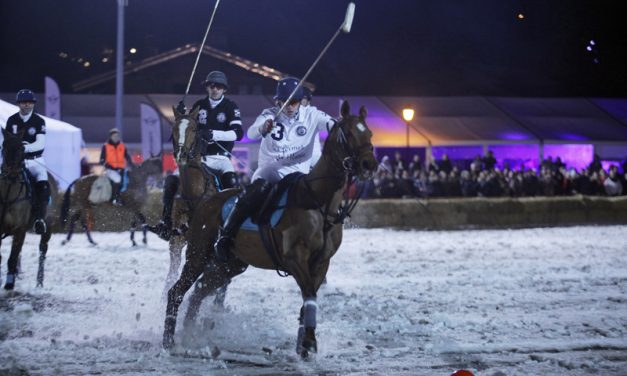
column 133, row 50
column 105, row 59
column 592, row 42
column 86, row 64
column 521, row 16
column 589, row 48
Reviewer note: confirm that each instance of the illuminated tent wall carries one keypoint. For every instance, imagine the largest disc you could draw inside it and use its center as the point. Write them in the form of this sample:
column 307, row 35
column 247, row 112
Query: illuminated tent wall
column 63, row 146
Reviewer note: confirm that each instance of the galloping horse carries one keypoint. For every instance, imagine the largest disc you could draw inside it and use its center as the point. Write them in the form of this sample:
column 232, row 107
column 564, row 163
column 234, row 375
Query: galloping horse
column 306, row 237
column 16, row 209
column 76, row 199
column 196, row 183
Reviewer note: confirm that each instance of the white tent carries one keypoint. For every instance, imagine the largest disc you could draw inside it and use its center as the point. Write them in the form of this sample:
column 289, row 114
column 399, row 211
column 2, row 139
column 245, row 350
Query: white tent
column 63, row 146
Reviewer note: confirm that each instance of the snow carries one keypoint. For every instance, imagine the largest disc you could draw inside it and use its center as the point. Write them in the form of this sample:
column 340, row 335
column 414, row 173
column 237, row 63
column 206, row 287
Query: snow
column 499, row 302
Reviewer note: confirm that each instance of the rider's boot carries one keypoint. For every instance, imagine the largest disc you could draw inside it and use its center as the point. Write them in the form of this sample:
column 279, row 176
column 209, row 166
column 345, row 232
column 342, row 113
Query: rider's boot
column 228, row 180
column 248, row 203
column 42, row 197
column 115, row 194
column 163, row 229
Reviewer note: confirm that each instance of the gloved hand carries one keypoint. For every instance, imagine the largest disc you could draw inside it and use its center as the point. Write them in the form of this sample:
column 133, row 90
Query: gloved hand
column 180, row 108
column 266, row 127
column 207, row 135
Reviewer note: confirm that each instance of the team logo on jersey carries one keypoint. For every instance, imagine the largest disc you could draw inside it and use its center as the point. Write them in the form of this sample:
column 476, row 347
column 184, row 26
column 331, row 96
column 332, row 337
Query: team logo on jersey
column 301, row 130
column 31, row 131
column 43, row 128
column 236, row 113
column 221, row 117
column 202, row 116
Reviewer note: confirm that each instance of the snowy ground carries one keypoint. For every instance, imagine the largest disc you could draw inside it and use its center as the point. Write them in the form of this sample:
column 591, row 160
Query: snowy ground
column 510, row 302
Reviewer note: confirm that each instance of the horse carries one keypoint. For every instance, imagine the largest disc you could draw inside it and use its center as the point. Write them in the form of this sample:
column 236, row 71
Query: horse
column 76, row 200
column 306, row 237
column 197, row 183
column 16, row 208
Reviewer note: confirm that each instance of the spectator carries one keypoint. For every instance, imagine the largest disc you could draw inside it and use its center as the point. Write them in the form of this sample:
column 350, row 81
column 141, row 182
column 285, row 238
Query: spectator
column 406, row 185
column 595, row 165
column 469, row 187
column 489, row 161
column 385, row 165
column 415, row 165
column 445, row 164
column 612, row 184
column 399, row 164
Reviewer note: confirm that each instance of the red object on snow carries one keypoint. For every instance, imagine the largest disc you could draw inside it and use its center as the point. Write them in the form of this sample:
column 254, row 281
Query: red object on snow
column 462, row 372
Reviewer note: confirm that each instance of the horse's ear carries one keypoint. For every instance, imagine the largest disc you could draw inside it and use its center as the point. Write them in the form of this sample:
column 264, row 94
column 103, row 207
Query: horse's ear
column 176, row 113
column 346, row 110
column 363, row 112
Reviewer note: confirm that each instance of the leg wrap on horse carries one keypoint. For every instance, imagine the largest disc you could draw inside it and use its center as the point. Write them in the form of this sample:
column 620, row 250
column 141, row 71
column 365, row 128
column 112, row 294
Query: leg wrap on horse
column 248, row 203
column 228, row 180
column 310, row 309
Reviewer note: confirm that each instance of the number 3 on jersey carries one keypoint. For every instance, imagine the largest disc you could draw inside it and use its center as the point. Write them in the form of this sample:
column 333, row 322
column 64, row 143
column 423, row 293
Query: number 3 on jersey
column 277, row 131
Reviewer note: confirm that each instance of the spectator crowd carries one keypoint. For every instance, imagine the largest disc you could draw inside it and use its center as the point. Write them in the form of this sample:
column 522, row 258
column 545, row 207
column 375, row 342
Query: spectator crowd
column 397, row 178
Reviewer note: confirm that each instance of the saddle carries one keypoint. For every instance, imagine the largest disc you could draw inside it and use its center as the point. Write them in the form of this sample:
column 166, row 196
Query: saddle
column 102, row 188
column 273, row 207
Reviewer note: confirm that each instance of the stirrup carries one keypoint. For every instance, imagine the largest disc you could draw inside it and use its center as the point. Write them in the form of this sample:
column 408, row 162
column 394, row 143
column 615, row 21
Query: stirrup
column 40, row 226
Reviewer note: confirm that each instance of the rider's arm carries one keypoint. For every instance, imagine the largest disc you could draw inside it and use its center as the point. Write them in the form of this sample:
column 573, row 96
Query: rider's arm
column 254, row 132
column 38, row 145
column 128, row 158
column 103, row 155
column 235, row 133
column 324, row 121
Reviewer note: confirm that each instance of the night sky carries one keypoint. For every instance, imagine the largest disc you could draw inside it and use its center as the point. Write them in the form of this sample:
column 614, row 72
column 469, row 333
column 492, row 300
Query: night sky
column 396, row 47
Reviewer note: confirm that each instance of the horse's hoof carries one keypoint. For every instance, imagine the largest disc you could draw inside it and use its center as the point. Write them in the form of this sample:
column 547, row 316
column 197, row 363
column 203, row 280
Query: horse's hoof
column 63, row 242
column 9, row 286
column 309, row 345
column 168, row 342
column 134, row 244
column 145, row 241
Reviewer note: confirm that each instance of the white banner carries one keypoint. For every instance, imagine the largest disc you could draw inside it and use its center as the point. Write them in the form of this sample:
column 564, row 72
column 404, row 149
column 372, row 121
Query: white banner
column 151, row 131
column 53, row 99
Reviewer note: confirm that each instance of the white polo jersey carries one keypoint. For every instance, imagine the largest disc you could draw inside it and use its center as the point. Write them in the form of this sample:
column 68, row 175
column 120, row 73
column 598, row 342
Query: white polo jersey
column 290, row 144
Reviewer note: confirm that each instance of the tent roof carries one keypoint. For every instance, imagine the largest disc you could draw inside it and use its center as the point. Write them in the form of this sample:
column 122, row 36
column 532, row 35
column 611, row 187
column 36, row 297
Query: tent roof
column 7, row 109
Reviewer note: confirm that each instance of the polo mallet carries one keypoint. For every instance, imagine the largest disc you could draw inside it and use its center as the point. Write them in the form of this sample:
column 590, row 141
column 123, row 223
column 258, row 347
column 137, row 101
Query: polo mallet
column 345, row 27
column 202, row 45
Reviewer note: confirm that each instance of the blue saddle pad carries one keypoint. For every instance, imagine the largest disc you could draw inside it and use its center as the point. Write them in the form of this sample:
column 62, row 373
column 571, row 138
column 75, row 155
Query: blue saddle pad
column 248, row 224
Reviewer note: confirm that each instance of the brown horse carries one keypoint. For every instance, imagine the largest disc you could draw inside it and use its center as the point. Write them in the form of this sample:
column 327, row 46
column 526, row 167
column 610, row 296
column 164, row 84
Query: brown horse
column 76, row 204
column 306, row 237
column 16, row 208
column 196, row 184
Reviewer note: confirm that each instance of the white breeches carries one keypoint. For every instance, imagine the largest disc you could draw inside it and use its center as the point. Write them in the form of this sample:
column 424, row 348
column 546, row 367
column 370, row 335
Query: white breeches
column 37, row 168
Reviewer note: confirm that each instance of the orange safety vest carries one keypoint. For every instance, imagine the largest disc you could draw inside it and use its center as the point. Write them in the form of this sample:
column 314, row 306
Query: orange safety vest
column 115, row 155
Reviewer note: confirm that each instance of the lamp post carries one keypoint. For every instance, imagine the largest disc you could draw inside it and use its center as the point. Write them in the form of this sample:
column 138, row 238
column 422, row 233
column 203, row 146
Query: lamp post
column 408, row 115
column 119, row 68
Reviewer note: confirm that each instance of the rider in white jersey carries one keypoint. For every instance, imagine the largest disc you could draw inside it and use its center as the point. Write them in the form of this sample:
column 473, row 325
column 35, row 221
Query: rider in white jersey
column 287, row 143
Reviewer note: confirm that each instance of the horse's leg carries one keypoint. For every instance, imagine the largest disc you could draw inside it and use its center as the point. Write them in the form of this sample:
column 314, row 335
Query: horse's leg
column 16, row 248
column 70, row 230
column 43, row 250
column 215, row 277
column 218, row 301
column 191, row 271
column 88, row 225
column 0, row 259
column 176, row 244
column 133, row 224
column 142, row 221
column 299, row 267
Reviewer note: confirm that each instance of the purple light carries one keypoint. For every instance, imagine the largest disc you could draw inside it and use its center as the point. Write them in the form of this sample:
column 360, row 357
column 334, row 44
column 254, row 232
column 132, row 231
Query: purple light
column 589, row 48
column 572, row 137
column 577, row 156
column 592, row 43
column 513, row 136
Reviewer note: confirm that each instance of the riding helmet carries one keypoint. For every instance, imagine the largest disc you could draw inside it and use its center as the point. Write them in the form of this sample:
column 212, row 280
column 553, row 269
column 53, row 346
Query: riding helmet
column 285, row 87
column 216, row 77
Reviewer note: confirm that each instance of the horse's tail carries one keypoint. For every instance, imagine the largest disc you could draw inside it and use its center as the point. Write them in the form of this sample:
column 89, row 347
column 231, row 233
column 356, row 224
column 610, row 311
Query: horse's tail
column 65, row 205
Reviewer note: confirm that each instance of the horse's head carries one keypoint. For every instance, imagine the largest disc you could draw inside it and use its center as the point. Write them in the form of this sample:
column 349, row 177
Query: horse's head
column 184, row 136
column 351, row 143
column 12, row 153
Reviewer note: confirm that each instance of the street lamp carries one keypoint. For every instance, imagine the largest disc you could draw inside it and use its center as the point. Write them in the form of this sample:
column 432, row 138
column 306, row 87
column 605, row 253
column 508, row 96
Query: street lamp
column 408, row 115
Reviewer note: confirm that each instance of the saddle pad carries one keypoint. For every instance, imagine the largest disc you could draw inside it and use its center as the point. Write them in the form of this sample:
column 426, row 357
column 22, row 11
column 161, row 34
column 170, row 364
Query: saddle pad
column 100, row 190
column 248, row 224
